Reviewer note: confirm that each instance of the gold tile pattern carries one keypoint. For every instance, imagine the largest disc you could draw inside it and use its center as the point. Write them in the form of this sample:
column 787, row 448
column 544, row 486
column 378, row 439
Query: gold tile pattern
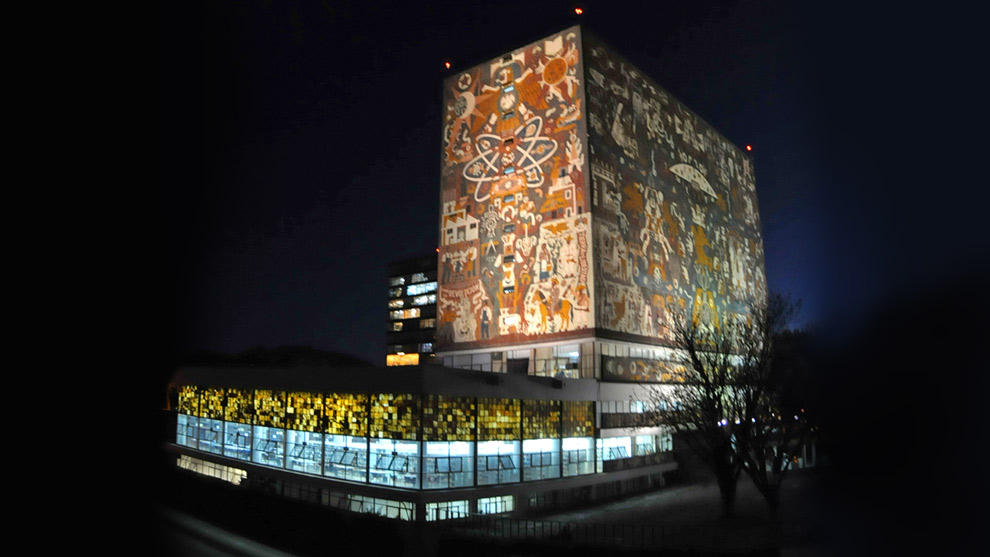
column 498, row 419
column 269, row 408
column 347, row 414
column 240, row 406
column 395, row 416
column 211, row 403
column 578, row 418
column 189, row 400
column 541, row 419
column 304, row 411
column 448, row 418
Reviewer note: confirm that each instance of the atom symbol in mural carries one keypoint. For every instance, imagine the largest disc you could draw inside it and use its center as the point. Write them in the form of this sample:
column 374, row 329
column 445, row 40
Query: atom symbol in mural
column 524, row 154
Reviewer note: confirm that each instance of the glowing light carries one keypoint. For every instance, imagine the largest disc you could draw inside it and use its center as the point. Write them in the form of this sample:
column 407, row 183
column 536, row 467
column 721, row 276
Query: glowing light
column 748, row 147
column 578, row 11
column 447, row 64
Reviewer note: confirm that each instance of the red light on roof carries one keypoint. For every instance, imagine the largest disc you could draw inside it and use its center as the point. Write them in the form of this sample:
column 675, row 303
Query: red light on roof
column 438, row 250
column 578, row 11
column 447, row 64
column 749, row 147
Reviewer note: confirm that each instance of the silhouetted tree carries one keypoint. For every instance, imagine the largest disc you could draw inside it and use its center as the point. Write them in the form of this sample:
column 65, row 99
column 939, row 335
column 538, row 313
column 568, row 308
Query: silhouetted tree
column 728, row 402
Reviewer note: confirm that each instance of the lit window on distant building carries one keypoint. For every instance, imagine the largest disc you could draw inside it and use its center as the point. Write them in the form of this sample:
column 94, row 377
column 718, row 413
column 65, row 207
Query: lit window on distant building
column 410, row 313
column 394, row 292
column 397, row 281
column 396, row 304
column 402, row 359
column 397, row 326
column 426, row 347
column 424, row 299
column 429, row 323
column 424, row 288
column 418, row 277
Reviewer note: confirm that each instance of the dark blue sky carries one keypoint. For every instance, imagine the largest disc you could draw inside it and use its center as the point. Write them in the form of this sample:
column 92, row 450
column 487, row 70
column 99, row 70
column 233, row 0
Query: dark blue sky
column 300, row 149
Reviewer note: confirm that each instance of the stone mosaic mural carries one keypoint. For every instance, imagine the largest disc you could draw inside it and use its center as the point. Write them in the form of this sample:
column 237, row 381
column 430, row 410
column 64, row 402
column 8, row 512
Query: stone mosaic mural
column 515, row 253
column 676, row 224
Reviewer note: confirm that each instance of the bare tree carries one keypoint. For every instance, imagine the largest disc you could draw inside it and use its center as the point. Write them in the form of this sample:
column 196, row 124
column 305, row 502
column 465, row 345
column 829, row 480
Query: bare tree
column 773, row 425
column 727, row 402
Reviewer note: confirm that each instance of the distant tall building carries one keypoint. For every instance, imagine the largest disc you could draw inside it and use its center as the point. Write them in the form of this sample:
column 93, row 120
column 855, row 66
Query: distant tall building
column 581, row 207
column 412, row 311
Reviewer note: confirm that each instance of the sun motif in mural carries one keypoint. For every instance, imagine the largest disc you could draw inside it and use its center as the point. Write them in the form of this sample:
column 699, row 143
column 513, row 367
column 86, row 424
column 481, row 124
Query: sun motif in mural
column 521, row 154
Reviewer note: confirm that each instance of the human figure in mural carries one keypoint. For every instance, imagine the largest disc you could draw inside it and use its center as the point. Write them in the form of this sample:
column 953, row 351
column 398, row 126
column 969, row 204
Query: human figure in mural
column 484, row 323
column 469, row 266
column 446, row 268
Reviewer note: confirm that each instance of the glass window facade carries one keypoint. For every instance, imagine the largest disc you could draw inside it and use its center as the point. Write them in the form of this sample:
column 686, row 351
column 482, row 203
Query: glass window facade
column 237, row 441
column 578, row 455
column 498, row 462
column 404, row 440
column 448, row 464
column 394, row 463
column 346, row 457
column 304, row 451
column 269, row 446
column 541, row 459
column 446, row 510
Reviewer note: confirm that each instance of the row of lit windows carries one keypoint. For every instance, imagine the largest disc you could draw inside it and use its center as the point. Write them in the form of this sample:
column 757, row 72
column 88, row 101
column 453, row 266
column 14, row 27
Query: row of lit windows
column 413, row 289
column 410, row 313
column 416, row 277
column 423, row 300
column 423, row 348
column 399, row 463
column 426, row 323
column 393, row 416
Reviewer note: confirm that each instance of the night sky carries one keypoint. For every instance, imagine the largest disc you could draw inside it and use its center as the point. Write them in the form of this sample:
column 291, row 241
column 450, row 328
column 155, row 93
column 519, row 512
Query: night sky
column 300, row 151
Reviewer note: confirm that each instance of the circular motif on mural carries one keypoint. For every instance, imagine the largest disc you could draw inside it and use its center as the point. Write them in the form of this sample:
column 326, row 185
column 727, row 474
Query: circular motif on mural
column 555, row 71
column 463, row 104
column 464, row 82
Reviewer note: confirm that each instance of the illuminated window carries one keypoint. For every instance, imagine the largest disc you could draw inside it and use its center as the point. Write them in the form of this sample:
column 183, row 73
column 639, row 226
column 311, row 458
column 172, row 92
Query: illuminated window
column 445, row 510
column 410, row 313
column 426, row 347
column 397, row 281
column 495, row 505
column 394, row 292
column 402, row 359
column 429, row 323
column 418, row 277
column 396, row 304
column 397, row 326
column 422, row 288
column 424, row 299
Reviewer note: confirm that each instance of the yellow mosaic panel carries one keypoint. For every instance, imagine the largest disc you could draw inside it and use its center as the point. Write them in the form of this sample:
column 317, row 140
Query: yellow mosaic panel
column 541, row 419
column 269, row 408
column 578, row 418
column 211, row 403
column 394, row 416
column 346, row 414
column 448, row 418
column 239, row 407
column 304, row 411
column 498, row 419
column 189, row 400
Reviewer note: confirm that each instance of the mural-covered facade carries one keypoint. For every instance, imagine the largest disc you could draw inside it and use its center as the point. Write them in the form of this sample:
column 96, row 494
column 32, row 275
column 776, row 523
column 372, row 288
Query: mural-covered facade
column 676, row 224
column 580, row 199
column 515, row 253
